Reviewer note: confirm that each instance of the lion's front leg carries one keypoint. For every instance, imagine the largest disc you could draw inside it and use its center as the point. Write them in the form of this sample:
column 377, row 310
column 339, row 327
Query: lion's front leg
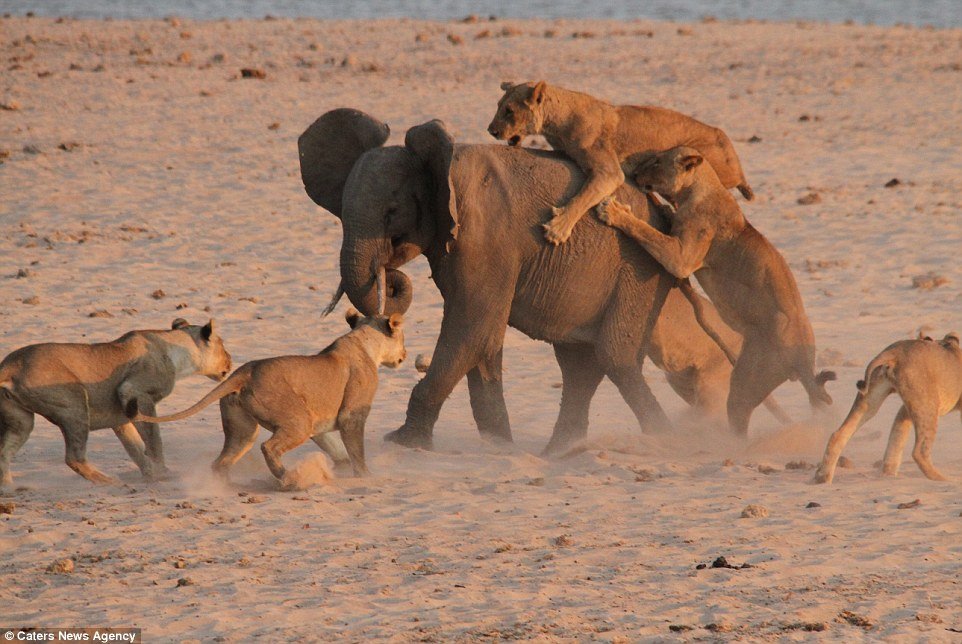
column 614, row 213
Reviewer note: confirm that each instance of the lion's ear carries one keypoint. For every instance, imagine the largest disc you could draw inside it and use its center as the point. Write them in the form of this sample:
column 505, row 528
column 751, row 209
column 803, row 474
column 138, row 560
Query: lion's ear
column 394, row 323
column 951, row 338
column 537, row 93
column 352, row 317
column 506, row 85
column 179, row 323
column 690, row 162
column 207, row 330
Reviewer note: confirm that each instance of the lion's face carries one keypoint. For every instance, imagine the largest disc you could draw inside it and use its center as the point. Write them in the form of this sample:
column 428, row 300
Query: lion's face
column 669, row 172
column 519, row 112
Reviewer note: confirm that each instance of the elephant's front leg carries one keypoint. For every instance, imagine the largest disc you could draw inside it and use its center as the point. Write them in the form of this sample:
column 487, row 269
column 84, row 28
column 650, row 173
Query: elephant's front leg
column 468, row 334
column 486, row 390
column 580, row 376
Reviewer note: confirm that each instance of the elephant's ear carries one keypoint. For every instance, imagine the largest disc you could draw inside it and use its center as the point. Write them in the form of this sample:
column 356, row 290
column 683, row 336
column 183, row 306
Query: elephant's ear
column 432, row 143
column 329, row 148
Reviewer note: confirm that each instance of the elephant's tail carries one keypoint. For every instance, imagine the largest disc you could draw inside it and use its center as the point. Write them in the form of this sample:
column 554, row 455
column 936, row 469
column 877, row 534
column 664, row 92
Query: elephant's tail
column 699, row 305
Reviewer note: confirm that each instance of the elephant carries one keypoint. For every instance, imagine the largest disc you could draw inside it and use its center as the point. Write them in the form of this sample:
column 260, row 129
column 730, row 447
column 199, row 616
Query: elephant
column 475, row 212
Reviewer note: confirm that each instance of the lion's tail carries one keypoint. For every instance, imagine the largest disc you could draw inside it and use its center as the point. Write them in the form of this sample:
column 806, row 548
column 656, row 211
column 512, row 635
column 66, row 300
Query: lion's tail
column 879, row 368
column 746, row 190
column 233, row 384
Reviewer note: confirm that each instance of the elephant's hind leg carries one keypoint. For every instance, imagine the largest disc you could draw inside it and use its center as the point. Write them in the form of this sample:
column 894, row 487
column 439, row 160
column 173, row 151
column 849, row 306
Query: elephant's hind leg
column 486, row 390
column 16, row 424
column 580, row 376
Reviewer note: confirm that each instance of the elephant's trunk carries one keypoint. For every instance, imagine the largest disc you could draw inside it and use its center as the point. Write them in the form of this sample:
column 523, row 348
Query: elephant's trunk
column 361, row 266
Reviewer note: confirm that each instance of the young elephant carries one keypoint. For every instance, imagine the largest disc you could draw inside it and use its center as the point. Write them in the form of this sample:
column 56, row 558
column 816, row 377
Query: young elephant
column 599, row 137
column 83, row 387
column 927, row 376
column 742, row 273
column 302, row 397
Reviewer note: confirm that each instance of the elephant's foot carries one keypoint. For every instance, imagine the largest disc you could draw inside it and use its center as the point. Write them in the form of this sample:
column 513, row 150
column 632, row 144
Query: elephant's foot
column 410, row 438
column 498, row 437
column 564, row 445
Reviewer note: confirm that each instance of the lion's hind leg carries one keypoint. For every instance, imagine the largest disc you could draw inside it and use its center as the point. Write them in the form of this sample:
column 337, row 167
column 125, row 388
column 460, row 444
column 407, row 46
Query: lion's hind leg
column 240, row 431
column 926, row 421
column 16, row 424
column 864, row 408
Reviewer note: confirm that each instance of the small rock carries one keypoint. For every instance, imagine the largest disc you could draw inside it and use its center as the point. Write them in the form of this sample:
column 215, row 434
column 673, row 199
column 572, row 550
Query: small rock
column 100, row 313
column 799, row 465
column 218, row 58
column 61, row 567
column 507, row 32
column 185, row 581
column 69, row 146
column 679, row 628
column 728, row 463
column 159, row 294
column 845, row 462
column 251, row 72
column 484, row 33
column 24, row 272
column 33, row 300
column 7, row 507
column 584, row 34
column 422, row 362
column 755, row 139
column 891, row 183
column 455, row 39
column 767, row 469
column 718, row 628
column 809, row 199
column 855, row 619
column 253, row 498
column 537, row 482
column 721, row 562
column 685, row 31
column 753, row 511
column 911, row 504
column 928, row 281
column 184, row 57
column 470, row 19
column 562, row 541
column 813, row 504
column 274, row 126
column 10, row 106
column 180, row 564
column 31, row 149
column 349, row 61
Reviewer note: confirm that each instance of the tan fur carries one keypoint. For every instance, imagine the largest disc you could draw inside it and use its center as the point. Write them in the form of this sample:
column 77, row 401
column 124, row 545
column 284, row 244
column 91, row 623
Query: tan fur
column 742, row 273
column 303, row 397
column 83, row 387
column 600, row 137
column 927, row 376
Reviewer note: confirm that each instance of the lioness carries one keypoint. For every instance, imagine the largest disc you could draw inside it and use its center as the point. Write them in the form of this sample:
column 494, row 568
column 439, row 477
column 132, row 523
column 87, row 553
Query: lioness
column 927, row 376
column 741, row 272
column 82, row 387
column 599, row 137
column 302, row 397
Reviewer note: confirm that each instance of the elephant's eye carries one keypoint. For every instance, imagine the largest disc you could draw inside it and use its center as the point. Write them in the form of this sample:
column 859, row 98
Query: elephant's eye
column 508, row 113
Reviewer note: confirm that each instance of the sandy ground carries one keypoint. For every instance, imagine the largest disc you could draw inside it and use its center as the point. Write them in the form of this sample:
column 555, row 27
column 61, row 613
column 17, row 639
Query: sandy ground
column 178, row 175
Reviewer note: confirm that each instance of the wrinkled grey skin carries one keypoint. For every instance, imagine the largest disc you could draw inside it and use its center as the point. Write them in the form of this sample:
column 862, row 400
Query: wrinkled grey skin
column 475, row 212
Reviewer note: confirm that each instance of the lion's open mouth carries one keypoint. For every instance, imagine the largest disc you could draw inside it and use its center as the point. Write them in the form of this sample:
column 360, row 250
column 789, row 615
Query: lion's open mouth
column 514, row 140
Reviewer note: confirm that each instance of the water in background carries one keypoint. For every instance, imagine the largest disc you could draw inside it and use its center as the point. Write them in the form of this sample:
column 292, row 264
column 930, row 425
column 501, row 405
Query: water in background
column 940, row 13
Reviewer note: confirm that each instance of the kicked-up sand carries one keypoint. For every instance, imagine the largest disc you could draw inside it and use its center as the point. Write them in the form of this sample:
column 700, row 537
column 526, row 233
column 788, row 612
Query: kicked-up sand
column 144, row 179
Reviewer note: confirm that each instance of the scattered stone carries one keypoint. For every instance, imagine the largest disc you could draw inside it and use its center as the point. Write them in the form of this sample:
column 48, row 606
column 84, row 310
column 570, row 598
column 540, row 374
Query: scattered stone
column 455, row 39
column 680, row 628
column 349, row 61
column 562, row 541
column 505, row 547
column 685, row 31
column 100, row 313
column 854, row 619
column 61, row 567
column 252, row 72
column 218, row 58
column 185, row 581
column 31, row 149
column 7, row 507
column 253, row 498
column 421, row 37
column 550, row 33
column 767, row 469
column 10, row 106
column 753, row 511
column 507, row 31
column 180, row 564
column 537, row 481
column 159, row 294
column 422, row 362
column 813, row 504
column 811, row 627
column 928, row 618
column 891, row 183
column 910, row 505
column 470, row 19
column 845, row 462
column 484, row 33
column 69, row 146
column 928, row 281
column 24, row 272
column 584, row 34
column 755, row 139
column 799, row 465
column 728, row 463
column 33, row 300
column 809, row 199
column 182, row 305
column 274, row 126
column 184, row 58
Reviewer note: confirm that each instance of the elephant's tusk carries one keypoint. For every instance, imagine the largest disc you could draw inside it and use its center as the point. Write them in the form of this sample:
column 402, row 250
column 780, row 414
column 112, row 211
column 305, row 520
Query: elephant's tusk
column 381, row 290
